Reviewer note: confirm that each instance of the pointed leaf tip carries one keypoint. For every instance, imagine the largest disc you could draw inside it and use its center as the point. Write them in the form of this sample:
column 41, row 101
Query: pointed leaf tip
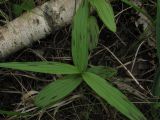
column 105, row 12
column 57, row 90
column 113, row 96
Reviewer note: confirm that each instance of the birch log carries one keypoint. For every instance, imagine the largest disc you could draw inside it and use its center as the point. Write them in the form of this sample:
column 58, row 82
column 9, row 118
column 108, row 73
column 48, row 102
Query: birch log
column 35, row 25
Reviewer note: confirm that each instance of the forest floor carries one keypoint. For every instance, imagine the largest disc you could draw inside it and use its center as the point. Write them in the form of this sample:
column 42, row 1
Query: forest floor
column 136, row 53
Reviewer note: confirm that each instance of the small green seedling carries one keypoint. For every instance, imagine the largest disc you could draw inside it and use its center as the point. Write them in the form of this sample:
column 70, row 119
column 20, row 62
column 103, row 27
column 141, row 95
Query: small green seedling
column 85, row 34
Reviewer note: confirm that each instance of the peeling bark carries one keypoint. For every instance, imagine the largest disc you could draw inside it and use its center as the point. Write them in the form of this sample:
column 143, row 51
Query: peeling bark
column 35, row 25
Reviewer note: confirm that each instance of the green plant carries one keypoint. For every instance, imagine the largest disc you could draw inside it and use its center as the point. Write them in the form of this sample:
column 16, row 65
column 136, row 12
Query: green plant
column 85, row 34
column 156, row 84
column 26, row 5
column 10, row 113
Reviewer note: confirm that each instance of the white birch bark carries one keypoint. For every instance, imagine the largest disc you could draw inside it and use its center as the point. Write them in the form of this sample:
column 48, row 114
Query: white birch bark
column 36, row 24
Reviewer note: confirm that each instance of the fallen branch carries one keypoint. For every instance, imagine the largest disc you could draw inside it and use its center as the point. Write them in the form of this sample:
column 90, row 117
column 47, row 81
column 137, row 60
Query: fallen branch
column 35, row 25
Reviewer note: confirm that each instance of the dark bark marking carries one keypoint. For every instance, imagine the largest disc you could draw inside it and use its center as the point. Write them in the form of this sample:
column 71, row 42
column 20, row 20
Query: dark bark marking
column 1, row 55
column 51, row 16
column 1, row 37
column 36, row 21
column 32, row 36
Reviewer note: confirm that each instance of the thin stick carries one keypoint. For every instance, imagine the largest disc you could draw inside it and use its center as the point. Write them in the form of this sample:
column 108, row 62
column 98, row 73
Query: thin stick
column 123, row 66
column 135, row 57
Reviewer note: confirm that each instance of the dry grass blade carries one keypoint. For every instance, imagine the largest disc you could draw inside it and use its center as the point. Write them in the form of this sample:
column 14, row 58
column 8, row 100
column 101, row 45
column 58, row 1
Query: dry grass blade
column 137, row 82
column 133, row 4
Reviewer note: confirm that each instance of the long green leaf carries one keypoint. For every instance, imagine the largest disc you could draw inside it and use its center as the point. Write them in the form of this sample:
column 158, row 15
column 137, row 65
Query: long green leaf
column 57, row 90
column 11, row 113
column 105, row 12
column 94, row 32
column 102, row 71
column 80, row 37
column 158, row 29
column 155, row 107
column 156, row 85
column 42, row 67
column 113, row 96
